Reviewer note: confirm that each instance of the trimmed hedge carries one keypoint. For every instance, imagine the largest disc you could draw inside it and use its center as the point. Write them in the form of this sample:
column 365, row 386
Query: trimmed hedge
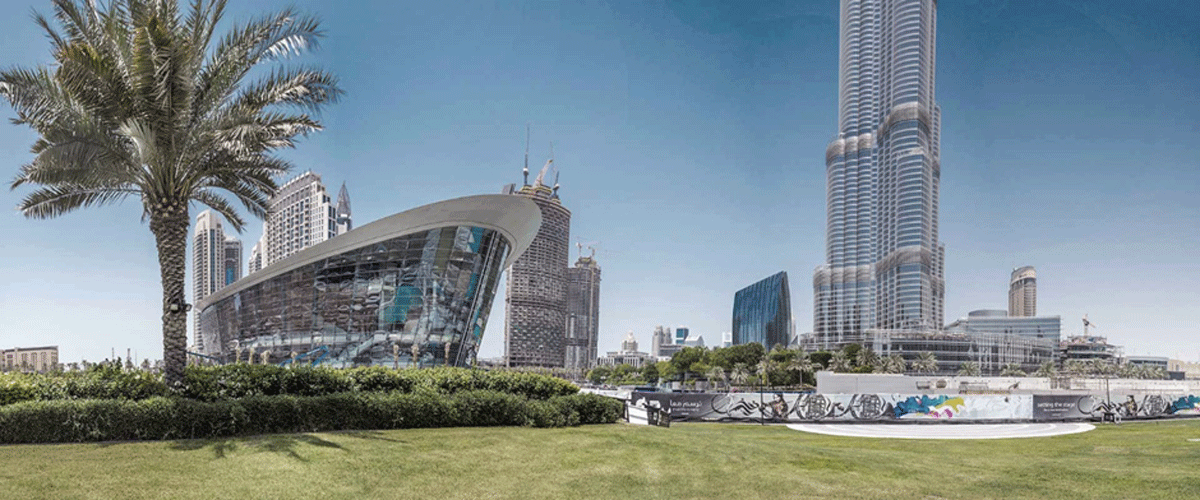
column 104, row 383
column 178, row 418
column 236, row 381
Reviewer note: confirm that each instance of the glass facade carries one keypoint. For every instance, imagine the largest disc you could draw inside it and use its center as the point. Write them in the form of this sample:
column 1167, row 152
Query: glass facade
column 421, row 298
column 998, row 322
column 991, row 352
column 884, row 266
column 762, row 312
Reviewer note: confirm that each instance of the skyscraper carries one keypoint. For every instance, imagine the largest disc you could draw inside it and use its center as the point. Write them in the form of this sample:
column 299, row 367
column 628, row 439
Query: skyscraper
column 258, row 254
column 208, row 255
column 762, row 312
column 583, row 313
column 208, row 259
column 536, row 299
column 884, row 266
column 232, row 260
column 344, row 222
column 301, row 215
column 1022, row 292
column 661, row 337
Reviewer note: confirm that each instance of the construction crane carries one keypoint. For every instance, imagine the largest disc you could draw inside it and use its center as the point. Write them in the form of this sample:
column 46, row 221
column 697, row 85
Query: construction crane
column 590, row 246
column 1086, row 324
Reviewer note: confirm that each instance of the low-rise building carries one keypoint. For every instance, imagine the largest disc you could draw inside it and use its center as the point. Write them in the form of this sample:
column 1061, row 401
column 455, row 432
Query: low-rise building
column 1149, row 361
column 1189, row 369
column 31, row 359
column 628, row 355
column 998, row 321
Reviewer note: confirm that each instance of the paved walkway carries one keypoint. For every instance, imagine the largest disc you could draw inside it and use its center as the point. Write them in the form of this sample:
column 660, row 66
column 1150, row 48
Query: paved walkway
column 945, row 431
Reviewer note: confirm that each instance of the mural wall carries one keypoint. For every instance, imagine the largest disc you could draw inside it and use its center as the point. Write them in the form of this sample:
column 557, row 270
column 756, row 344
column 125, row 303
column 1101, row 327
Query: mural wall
column 791, row 407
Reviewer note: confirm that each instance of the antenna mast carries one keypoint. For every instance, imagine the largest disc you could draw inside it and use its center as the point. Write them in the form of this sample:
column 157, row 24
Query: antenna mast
column 526, row 170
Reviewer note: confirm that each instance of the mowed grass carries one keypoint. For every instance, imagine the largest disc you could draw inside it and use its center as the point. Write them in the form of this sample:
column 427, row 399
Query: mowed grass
column 1133, row 460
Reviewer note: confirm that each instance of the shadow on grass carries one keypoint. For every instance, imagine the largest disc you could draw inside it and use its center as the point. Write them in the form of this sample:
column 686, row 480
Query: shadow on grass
column 284, row 444
column 372, row 435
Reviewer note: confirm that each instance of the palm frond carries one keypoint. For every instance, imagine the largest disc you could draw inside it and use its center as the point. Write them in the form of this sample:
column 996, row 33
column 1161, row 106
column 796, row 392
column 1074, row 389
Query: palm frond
column 265, row 39
column 218, row 203
column 53, row 201
column 306, row 88
column 56, row 40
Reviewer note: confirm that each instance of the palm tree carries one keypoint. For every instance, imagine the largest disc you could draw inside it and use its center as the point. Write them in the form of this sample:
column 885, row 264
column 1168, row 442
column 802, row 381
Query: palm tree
column 894, row 364
column 867, row 357
column 717, row 373
column 839, row 362
column 1012, row 370
column 968, row 369
column 763, row 369
column 739, row 375
column 139, row 105
column 926, row 362
column 1046, row 370
column 801, row 364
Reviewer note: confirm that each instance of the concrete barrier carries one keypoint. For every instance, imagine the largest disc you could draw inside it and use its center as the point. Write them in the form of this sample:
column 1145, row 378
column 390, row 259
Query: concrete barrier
column 791, row 407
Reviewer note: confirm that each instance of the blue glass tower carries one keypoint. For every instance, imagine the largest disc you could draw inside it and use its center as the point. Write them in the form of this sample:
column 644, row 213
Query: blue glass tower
column 762, row 312
column 884, row 265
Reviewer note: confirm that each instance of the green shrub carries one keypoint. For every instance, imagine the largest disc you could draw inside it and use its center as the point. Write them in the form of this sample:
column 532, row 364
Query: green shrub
column 381, row 379
column 530, row 385
column 215, row 383
column 240, row 380
column 180, row 418
column 109, row 383
column 591, row 408
column 16, row 387
column 490, row 408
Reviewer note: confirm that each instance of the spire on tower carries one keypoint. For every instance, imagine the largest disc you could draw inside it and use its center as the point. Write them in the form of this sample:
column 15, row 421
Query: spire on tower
column 344, row 220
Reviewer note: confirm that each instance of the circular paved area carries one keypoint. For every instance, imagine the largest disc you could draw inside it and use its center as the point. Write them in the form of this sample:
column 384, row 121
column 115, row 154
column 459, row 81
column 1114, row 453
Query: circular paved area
column 945, row 431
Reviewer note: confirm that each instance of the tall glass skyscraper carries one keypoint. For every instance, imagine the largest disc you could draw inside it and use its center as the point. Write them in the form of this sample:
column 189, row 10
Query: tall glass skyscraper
column 884, row 263
column 762, row 313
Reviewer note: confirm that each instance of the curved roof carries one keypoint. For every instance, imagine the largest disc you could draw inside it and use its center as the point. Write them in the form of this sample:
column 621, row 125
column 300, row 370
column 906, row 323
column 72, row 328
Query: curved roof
column 517, row 218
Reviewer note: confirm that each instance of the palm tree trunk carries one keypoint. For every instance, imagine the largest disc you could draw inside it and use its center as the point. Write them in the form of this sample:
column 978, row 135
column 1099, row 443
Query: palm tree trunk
column 170, row 226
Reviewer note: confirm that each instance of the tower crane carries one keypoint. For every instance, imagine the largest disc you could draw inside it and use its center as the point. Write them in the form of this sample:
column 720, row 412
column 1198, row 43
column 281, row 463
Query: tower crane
column 590, row 246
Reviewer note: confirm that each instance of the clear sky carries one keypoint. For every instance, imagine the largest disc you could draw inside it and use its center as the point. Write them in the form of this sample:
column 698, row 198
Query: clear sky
column 690, row 138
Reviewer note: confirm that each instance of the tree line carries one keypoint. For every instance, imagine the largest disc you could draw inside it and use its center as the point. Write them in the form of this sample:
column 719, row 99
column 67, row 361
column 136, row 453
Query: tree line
column 751, row 365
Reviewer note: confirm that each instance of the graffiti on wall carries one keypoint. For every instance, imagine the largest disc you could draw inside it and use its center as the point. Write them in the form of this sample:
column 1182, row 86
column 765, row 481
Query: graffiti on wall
column 792, row 407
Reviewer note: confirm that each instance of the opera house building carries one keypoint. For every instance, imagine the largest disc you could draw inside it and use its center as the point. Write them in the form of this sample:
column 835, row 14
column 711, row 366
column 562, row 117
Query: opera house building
column 414, row 288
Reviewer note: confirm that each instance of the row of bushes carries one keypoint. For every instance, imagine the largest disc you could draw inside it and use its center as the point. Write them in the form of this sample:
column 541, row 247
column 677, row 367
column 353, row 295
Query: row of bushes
column 228, row 382
column 178, row 418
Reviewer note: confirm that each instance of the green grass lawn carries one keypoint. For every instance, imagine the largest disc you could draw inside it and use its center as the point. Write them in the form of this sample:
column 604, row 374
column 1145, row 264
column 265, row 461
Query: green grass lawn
column 1133, row 460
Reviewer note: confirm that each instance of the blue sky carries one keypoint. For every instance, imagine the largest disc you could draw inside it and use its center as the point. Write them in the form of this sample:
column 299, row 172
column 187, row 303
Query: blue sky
column 690, row 138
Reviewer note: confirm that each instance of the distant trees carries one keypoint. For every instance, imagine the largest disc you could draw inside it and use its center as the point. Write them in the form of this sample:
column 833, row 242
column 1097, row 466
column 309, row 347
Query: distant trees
column 839, row 361
column 926, row 362
column 1012, row 370
column 893, row 364
column 1046, row 370
column 968, row 369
